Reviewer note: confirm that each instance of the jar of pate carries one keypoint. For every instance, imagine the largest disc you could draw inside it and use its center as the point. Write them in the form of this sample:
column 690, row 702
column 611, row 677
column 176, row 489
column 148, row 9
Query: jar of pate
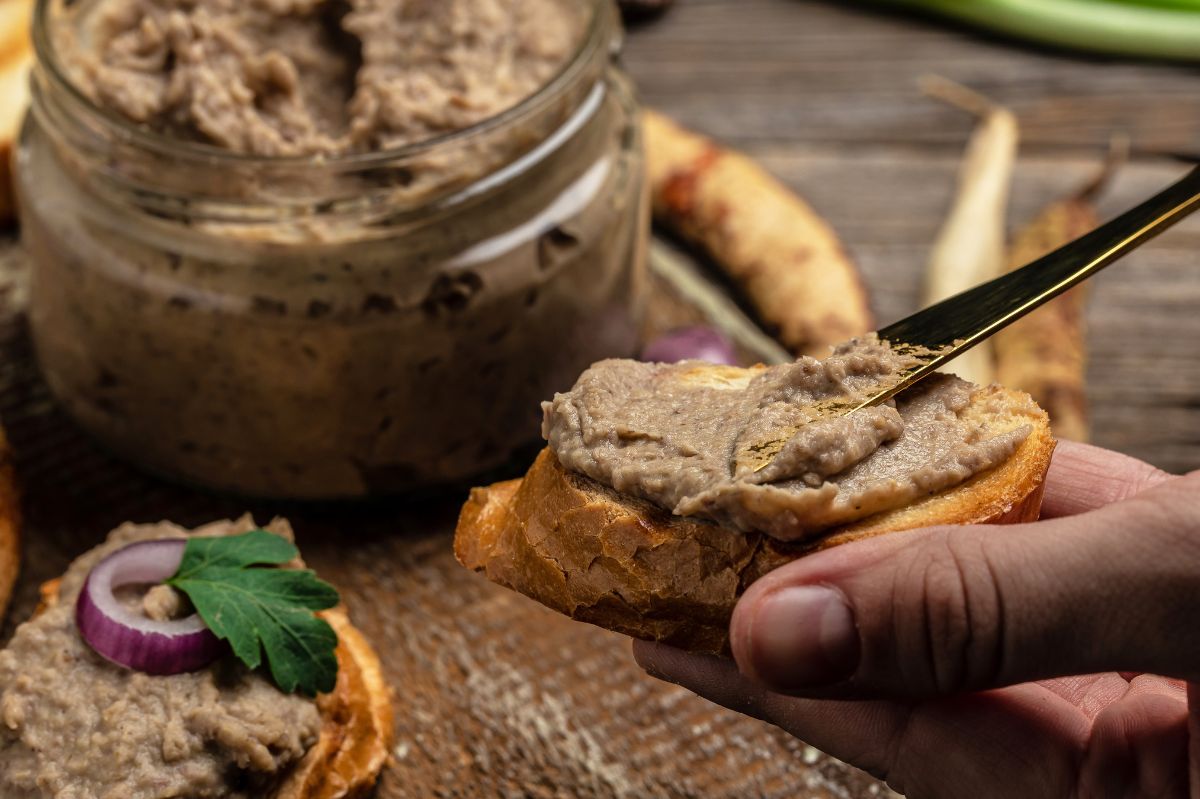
column 285, row 320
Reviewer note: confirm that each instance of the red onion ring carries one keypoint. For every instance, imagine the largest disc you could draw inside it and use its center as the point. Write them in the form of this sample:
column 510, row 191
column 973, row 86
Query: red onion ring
column 130, row 639
column 697, row 343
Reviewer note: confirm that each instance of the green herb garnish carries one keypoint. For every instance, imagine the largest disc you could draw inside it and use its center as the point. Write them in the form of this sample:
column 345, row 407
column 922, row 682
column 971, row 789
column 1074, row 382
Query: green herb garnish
column 234, row 585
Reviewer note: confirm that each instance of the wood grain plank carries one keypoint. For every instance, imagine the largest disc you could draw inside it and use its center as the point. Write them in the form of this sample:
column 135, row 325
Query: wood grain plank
column 839, row 73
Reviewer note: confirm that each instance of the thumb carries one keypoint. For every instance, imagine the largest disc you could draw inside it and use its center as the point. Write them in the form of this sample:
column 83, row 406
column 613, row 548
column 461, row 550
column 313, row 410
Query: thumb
column 951, row 609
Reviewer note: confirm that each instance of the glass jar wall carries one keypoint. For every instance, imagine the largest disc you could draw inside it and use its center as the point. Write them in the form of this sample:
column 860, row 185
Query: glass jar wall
column 332, row 327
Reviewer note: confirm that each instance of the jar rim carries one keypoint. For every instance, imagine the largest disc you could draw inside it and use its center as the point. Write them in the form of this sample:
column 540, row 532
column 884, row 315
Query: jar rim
column 593, row 40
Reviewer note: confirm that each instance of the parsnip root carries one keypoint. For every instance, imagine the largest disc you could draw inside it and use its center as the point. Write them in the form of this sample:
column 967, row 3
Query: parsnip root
column 785, row 258
column 1045, row 354
column 970, row 247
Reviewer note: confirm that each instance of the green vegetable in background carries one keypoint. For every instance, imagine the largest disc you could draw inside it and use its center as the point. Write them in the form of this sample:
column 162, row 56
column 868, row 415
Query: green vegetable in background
column 257, row 608
column 1143, row 28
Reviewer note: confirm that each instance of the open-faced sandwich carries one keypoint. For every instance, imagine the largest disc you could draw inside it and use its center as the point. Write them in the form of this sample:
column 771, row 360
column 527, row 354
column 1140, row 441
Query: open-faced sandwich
column 667, row 489
column 191, row 665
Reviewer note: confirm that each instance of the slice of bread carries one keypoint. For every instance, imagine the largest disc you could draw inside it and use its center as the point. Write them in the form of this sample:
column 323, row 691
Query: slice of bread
column 357, row 720
column 10, row 550
column 16, row 59
column 624, row 564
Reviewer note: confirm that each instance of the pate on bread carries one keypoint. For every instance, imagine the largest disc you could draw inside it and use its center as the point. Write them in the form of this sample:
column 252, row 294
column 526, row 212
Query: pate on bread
column 77, row 723
column 628, row 564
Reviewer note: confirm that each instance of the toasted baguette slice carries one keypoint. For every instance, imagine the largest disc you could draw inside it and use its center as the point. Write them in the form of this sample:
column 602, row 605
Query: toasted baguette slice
column 16, row 58
column 627, row 565
column 10, row 550
column 357, row 729
column 356, row 738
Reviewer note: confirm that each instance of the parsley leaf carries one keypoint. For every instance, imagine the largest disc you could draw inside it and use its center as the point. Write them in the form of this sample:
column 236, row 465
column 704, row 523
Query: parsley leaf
column 232, row 582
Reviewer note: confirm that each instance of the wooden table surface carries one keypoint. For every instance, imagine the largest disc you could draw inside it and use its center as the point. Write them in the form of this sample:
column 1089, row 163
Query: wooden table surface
column 498, row 697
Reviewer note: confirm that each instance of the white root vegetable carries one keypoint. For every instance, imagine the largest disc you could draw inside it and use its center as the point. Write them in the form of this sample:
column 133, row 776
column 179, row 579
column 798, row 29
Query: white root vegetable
column 970, row 249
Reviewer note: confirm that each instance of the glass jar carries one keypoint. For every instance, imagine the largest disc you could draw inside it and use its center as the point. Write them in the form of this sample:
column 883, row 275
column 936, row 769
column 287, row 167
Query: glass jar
column 327, row 328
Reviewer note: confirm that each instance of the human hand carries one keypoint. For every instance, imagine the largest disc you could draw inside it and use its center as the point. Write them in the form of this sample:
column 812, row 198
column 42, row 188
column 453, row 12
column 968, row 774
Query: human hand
column 940, row 659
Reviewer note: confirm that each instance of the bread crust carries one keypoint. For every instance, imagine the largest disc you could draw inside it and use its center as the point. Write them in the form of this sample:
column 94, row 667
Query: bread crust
column 624, row 564
column 356, row 736
column 357, row 719
column 10, row 519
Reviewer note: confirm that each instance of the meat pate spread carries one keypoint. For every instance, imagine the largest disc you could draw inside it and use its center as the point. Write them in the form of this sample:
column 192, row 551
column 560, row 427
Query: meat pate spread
column 75, row 726
column 304, row 77
column 689, row 437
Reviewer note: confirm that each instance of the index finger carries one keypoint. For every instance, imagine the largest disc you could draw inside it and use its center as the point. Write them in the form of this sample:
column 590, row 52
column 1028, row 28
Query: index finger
column 1083, row 477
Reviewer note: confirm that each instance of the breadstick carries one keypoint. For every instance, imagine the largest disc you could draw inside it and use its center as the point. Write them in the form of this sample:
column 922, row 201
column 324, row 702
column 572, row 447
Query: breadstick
column 774, row 247
column 1045, row 354
column 970, row 248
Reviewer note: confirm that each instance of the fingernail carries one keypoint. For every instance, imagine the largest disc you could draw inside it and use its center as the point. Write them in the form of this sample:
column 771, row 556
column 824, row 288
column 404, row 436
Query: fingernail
column 803, row 636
